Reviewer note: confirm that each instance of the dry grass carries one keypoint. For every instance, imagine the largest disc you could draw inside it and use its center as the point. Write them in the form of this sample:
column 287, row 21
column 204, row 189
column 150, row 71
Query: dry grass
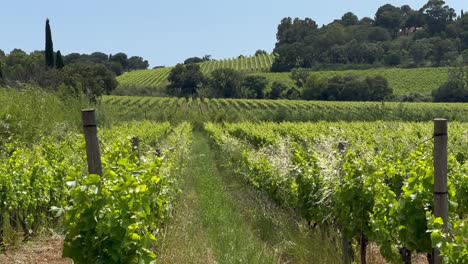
column 41, row 250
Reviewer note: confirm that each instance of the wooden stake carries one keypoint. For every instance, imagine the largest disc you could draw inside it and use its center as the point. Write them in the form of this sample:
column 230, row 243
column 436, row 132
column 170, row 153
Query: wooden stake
column 345, row 243
column 440, row 176
column 93, row 154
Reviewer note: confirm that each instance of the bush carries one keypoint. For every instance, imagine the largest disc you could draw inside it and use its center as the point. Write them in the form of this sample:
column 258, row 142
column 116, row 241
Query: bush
column 277, row 90
column 226, row 83
column 456, row 87
column 451, row 91
column 185, row 79
column 346, row 88
column 314, row 86
column 255, row 86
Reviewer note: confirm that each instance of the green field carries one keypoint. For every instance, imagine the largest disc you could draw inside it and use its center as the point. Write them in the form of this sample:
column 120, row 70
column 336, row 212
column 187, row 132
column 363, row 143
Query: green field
column 158, row 77
column 201, row 110
column 213, row 181
column 402, row 81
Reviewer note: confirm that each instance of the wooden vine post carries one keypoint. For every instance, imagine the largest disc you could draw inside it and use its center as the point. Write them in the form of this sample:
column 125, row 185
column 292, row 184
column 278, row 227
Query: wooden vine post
column 93, row 155
column 345, row 243
column 440, row 176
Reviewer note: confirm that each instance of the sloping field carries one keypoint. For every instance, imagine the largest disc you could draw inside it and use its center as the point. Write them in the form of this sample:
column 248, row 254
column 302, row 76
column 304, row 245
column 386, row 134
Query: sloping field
column 158, row 77
column 403, row 81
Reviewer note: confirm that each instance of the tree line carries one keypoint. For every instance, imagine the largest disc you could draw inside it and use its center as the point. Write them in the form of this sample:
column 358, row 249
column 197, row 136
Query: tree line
column 434, row 35
column 188, row 80
column 90, row 74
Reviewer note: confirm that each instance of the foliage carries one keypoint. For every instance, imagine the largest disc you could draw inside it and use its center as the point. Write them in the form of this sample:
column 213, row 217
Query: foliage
column 399, row 36
column 49, row 47
column 124, row 108
column 456, row 87
column 93, row 80
column 314, row 86
column 59, row 60
column 254, row 86
column 185, row 79
column 226, row 83
column 116, row 218
column 376, row 187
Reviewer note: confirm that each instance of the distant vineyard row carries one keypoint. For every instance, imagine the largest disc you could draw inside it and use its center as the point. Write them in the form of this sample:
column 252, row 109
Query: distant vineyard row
column 157, row 77
column 179, row 109
column 402, row 81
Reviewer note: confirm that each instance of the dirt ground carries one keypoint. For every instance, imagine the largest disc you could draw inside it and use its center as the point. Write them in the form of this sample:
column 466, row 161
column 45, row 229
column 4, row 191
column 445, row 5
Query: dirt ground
column 41, row 250
column 48, row 250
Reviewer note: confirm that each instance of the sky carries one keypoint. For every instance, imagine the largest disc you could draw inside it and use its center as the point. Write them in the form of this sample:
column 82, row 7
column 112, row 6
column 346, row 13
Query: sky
column 167, row 32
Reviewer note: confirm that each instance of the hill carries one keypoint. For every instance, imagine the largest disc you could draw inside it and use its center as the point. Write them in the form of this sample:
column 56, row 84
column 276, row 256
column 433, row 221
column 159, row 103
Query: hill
column 158, row 77
column 402, row 81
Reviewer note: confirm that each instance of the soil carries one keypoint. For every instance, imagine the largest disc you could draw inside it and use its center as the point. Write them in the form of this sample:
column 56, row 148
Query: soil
column 41, row 250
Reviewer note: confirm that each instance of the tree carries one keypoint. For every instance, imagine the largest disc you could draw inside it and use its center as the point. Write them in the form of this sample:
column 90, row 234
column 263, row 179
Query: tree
column 226, row 83
column 299, row 76
column 314, row 86
column 90, row 79
column 438, row 15
column 456, row 87
column 419, row 50
column 120, row 58
column 377, row 34
column 49, row 47
column 392, row 58
column 377, row 89
column 184, row 80
column 98, row 57
column 59, row 60
column 137, row 63
column 71, row 58
column 366, row 21
column 293, row 93
column 1, row 72
column 277, row 89
column 389, row 17
column 349, row 19
column 115, row 67
column 255, row 86
column 193, row 60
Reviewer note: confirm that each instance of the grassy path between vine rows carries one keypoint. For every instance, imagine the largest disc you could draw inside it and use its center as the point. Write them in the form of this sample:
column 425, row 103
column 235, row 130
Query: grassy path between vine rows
column 220, row 219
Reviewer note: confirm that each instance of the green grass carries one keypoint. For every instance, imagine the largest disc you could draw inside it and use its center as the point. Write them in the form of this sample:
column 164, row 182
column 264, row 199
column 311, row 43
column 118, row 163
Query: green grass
column 220, row 219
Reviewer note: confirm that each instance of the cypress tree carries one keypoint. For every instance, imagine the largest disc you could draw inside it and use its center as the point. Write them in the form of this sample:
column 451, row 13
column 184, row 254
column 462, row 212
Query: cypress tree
column 49, row 47
column 59, row 60
column 1, row 73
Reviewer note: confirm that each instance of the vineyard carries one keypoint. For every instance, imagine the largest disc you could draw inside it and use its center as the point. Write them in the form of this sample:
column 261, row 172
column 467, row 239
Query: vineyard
column 150, row 78
column 201, row 110
column 373, row 182
column 402, row 81
column 158, row 77
column 260, row 63
column 225, row 180
column 47, row 185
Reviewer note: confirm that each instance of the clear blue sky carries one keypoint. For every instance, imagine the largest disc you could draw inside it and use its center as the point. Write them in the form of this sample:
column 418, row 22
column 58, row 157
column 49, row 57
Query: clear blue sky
column 166, row 32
